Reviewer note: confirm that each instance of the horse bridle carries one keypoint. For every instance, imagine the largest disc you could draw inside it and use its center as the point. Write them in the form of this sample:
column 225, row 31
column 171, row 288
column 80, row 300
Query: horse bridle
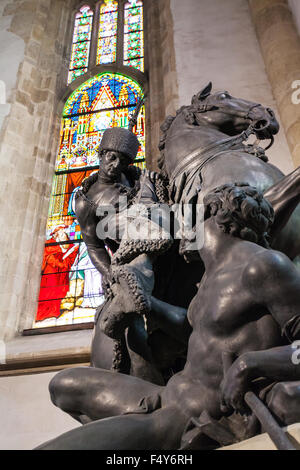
column 220, row 146
column 209, row 107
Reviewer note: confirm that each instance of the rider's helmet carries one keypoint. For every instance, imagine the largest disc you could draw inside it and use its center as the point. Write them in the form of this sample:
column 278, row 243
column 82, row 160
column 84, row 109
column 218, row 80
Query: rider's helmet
column 121, row 139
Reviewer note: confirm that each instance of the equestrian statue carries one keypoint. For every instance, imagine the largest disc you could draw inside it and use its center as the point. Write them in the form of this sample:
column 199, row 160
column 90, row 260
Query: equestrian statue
column 201, row 336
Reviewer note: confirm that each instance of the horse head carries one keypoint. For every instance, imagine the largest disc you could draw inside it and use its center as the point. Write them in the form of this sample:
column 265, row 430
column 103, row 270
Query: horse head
column 232, row 115
column 211, row 118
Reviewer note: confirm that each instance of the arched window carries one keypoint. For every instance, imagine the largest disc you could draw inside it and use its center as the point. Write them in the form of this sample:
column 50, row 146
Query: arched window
column 107, row 37
column 81, row 43
column 134, row 34
column 120, row 36
column 70, row 285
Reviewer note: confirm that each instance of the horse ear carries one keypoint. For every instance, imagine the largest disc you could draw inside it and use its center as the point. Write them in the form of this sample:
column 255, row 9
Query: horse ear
column 205, row 92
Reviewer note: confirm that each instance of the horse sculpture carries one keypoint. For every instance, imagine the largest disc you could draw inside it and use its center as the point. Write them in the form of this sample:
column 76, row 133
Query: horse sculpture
column 202, row 147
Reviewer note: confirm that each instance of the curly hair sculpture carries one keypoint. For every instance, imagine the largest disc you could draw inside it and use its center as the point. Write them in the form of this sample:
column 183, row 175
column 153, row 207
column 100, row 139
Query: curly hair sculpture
column 242, row 211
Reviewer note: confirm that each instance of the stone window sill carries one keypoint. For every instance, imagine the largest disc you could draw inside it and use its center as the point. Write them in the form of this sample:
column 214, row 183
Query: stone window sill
column 39, row 353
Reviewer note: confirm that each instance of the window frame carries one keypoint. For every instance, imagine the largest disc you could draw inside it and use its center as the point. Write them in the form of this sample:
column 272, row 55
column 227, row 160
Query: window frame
column 142, row 78
column 71, row 43
column 117, row 66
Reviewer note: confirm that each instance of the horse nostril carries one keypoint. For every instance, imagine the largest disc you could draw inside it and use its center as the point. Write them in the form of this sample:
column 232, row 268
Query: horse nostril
column 261, row 125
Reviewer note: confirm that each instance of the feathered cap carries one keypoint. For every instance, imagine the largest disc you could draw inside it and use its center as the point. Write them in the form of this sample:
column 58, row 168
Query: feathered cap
column 121, row 139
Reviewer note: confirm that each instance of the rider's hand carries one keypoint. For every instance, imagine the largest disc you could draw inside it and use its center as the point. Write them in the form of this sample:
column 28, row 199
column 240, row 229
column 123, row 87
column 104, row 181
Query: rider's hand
column 235, row 384
column 107, row 280
column 152, row 175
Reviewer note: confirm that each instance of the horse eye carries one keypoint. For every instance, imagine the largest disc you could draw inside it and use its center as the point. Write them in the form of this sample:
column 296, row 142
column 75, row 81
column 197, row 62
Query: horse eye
column 223, row 96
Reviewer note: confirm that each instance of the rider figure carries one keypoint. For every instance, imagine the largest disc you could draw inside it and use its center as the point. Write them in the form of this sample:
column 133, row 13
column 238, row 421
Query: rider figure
column 132, row 283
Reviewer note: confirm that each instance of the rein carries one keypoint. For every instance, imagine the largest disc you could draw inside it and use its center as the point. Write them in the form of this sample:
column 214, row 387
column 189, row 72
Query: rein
column 193, row 158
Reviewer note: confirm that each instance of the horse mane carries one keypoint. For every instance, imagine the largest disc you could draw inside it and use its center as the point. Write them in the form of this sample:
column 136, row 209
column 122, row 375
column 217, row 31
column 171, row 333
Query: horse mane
column 189, row 116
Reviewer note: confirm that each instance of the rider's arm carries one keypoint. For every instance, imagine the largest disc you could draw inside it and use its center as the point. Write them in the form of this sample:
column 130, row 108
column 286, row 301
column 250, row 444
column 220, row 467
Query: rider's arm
column 96, row 247
column 99, row 257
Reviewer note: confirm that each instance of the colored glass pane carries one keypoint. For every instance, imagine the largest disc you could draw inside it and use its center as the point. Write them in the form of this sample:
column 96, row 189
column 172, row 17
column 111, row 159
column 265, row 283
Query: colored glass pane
column 105, row 100
column 134, row 35
column 61, row 207
column 107, row 39
column 71, row 287
column 81, row 43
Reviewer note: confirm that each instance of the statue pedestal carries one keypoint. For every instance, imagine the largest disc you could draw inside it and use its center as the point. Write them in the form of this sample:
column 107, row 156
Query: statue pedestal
column 263, row 441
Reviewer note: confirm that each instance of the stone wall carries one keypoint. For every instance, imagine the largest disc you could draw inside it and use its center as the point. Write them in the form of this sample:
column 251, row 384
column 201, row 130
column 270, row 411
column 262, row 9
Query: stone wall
column 216, row 41
column 28, row 416
column 295, row 9
column 280, row 45
column 36, row 34
column 10, row 58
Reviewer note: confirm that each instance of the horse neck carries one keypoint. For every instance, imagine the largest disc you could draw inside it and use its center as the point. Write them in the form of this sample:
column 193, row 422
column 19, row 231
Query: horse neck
column 184, row 138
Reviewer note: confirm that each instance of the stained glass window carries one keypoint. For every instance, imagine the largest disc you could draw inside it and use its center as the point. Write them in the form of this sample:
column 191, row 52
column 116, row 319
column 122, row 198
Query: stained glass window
column 134, row 35
column 81, row 43
column 107, row 37
column 71, row 286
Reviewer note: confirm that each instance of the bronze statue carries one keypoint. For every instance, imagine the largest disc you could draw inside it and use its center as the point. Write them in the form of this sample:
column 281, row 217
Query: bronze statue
column 203, row 146
column 247, row 302
column 128, row 270
column 239, row 308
